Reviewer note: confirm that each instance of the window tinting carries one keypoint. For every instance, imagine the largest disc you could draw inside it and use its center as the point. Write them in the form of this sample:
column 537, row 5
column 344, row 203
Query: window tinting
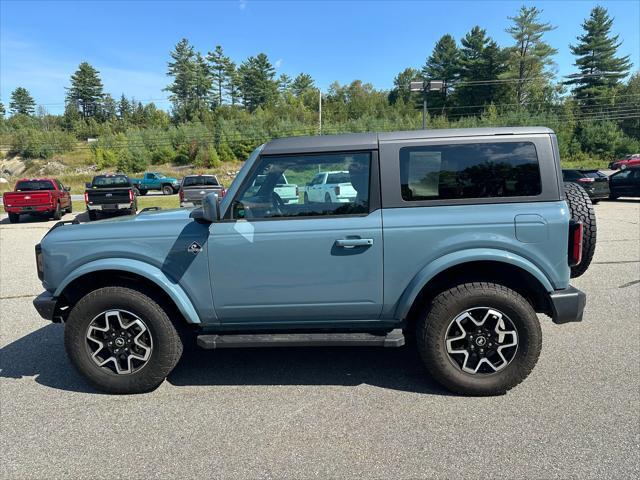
column 287, row 186
column 478, row 170
column 200, row 180
column 342, row 177
column 30, row 185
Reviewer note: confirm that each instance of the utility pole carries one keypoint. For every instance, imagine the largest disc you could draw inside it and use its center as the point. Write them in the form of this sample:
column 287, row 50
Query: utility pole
column 424, row 87
column 319, row 112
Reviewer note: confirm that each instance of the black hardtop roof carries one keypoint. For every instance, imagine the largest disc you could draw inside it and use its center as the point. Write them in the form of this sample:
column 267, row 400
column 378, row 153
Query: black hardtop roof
column 368, row 141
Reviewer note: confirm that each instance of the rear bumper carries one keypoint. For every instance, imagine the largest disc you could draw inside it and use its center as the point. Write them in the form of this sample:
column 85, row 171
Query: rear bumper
column 29, row 209
column 567, row 305
column 45, row 304
column 110, row 207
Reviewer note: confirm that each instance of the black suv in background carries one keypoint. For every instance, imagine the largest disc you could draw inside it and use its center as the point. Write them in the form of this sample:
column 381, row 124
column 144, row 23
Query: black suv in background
column 594, row 182
column 625, row 183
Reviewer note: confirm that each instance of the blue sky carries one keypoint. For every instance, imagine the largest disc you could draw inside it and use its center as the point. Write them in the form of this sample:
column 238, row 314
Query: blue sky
column 41, row 43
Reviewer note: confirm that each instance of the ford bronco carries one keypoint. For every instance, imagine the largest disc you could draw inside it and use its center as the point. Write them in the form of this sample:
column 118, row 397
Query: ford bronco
column 454, row 241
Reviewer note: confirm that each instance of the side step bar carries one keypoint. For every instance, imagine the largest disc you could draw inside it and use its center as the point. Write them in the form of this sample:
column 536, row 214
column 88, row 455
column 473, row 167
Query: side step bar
column 395, row 338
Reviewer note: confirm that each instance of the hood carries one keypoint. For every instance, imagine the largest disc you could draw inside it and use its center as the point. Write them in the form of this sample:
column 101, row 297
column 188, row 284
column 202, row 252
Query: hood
column 151, row 215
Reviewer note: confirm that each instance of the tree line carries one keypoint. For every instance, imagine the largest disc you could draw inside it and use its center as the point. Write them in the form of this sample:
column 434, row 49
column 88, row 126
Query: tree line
column 221, row 109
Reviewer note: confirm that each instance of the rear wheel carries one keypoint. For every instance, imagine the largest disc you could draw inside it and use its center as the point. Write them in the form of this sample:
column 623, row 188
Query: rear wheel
column 142, row 192
column 70, row 208
column 327, row 198
column 581, row 209
column 479, row 339
column 93, row 215
column 167, row 190
column 57, row 213
column 121, row 340
column 14, row 217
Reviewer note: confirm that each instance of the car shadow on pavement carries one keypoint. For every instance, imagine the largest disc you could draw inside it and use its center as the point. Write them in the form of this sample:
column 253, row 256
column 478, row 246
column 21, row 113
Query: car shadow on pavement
column 392, row 368
column 41, row 354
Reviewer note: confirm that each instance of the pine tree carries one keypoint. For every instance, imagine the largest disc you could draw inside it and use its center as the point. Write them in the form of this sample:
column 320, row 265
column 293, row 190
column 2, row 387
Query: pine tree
column 124, row 108
column 443, row 64
column 21, row 102
column 257, row 82
column 301, row 84
column 202, row 83
column 284, row 83
column 2, row 110
column 182, row 68
column 219, row 66
column 86, row 90
column 599, row 67
column 232, row 84
column 530, row 56
column 481, row 62
column 109, row 108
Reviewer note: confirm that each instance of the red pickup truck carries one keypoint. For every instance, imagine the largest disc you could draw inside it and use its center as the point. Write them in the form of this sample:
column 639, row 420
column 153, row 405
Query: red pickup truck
column 38, row 196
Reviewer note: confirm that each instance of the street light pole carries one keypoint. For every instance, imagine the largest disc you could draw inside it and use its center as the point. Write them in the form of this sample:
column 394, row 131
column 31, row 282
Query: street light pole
column 320, row 111
column 424, row 87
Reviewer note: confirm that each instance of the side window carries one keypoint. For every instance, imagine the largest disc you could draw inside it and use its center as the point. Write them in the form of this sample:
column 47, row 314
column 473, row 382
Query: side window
column 280, row 187
column 480, row 170
column 151, row 176
column 623, row 175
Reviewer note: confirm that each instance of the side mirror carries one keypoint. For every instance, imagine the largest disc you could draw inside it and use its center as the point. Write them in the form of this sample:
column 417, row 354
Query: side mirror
column 87, row 185
column 67, row 189
column 210, row 210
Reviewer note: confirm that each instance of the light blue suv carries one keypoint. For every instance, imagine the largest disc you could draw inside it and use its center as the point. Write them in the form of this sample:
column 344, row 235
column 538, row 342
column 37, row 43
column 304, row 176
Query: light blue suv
column 454, row 240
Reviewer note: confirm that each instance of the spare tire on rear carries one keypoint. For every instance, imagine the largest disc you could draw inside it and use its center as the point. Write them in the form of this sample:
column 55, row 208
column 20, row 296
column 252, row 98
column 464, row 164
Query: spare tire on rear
column 581, row 210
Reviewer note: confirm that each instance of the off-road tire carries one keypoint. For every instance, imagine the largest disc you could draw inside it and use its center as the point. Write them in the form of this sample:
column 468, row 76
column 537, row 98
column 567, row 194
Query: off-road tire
column 431, row 333
column 581, row 210
column 57, row 213
column 167, row 190
column 167, row 346
column 14, row 218
column 93, row 215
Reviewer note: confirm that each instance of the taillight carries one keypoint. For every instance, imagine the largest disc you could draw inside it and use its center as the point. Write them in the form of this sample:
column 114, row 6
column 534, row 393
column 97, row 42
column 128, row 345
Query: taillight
column 131, row 195
column 575, row 243
column 223, row 192
column 586, row 180
column 337, row 189
column 181, row 195
column 86, row 197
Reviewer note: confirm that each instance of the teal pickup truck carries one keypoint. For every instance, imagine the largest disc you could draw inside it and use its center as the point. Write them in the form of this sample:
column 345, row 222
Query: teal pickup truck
column 156, row 181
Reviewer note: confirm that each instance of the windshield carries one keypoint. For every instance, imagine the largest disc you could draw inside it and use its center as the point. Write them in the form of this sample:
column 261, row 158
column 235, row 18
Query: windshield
column 200, row 180
column 30, row 185
column 111, row 181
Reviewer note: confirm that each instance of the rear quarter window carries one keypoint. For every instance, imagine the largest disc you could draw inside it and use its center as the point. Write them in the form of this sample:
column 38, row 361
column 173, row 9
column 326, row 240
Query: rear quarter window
column 474, row 170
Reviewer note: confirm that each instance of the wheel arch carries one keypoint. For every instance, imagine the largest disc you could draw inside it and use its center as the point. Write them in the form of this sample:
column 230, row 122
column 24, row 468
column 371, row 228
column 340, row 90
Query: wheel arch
column 127, row 272
column 487, row 265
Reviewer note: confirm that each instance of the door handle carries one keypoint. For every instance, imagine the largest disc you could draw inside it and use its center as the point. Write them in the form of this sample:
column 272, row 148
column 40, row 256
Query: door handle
column 354, row 242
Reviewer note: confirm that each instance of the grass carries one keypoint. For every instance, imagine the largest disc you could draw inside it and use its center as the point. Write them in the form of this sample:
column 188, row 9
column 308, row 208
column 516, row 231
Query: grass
column 163, row 201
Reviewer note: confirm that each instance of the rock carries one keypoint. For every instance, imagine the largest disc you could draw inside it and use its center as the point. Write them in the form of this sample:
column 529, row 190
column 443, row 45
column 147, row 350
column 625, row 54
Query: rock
column 3, row 180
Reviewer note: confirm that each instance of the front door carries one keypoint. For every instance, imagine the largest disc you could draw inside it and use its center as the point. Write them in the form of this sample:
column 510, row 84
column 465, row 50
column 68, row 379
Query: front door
column 276, row 263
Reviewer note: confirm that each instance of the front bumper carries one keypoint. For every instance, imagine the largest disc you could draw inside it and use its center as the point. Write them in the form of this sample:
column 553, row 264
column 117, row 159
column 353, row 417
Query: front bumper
column 45, row 304
column 567, row 305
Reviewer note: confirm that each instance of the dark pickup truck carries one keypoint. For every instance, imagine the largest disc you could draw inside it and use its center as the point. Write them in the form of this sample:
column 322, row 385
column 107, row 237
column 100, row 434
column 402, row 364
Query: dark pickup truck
column 110, row 193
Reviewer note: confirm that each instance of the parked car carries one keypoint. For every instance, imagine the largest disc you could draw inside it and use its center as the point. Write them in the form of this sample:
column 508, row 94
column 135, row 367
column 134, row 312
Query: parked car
column 109, row 194
column 45, row 197
column 156, row 181
column 193, row 189
column 594, row 182
column 443, row 241
column 330, row 187
column 625, row 162
column 625, row 183
column 286, row 192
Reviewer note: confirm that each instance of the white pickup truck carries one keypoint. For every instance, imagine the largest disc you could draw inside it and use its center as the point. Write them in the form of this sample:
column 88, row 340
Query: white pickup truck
column 330, row 187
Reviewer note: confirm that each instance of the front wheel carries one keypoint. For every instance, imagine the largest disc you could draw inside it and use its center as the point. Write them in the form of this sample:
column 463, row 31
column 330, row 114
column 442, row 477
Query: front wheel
column 479, row 339
column 121, row 340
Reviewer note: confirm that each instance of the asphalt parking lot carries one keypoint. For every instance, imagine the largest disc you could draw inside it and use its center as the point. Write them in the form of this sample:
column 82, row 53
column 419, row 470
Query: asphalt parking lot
column 321, row 413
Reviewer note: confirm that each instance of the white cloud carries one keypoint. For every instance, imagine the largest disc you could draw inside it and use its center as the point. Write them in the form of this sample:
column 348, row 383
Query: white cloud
column 242, row 4
column 278, row 63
